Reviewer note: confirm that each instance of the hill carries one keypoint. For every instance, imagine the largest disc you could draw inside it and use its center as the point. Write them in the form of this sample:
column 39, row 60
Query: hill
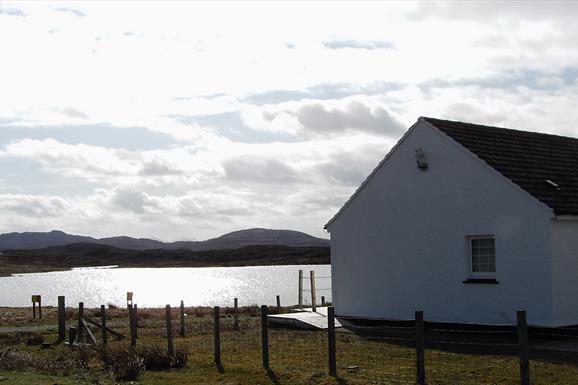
column 234, row 240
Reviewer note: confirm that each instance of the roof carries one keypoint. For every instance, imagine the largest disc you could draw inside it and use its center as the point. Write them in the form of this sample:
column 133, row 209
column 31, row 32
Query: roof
column 546, row 166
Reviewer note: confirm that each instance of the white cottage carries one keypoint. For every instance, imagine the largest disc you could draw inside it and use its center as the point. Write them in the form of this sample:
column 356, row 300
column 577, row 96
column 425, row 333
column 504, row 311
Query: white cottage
column 468, row 223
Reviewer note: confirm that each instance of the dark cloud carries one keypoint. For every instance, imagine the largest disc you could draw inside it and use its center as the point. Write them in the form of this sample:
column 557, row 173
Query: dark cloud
column 259, row 170
column 358, row 44
column 73, row 11
column 351, row 167
column 323, row 91
column 316, row 118
column 131, row 200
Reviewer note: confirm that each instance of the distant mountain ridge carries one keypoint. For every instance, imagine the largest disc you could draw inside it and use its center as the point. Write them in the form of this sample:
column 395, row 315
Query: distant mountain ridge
column 233, row 240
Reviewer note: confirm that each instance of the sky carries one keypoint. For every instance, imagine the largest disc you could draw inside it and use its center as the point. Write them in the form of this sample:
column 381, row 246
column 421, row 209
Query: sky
column 187, row 120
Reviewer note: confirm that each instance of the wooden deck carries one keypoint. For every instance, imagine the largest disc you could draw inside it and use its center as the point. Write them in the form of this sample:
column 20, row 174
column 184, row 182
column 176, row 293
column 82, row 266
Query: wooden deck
column 305, row 319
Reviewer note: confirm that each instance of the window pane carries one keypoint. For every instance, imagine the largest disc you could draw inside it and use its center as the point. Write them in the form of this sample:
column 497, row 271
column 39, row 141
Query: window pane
column 483, row 255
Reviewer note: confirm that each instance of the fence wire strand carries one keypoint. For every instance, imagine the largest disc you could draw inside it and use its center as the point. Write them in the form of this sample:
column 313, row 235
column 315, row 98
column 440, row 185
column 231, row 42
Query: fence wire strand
column 375, row 354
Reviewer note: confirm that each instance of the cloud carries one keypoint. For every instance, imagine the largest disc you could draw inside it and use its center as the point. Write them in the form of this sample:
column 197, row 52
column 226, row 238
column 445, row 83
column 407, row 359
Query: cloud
column 134, row 201
column 259, row 169
column 550, row 81
column 11, row 12
column 73, row 160
column 157, row 167
column 358, row 44
column 314, row 119
column 74, row 113
column 355, row 116
column 494, row 11
column 32, row 206
column 209, row 129
column 73, row 11
column 323, row 91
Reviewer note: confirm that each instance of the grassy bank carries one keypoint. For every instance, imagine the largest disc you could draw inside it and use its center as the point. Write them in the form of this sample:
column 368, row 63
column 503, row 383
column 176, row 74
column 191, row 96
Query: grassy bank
column 296, row 356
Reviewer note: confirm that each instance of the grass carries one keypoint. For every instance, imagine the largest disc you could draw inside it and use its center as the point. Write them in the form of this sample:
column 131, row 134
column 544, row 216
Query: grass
column 296, row 357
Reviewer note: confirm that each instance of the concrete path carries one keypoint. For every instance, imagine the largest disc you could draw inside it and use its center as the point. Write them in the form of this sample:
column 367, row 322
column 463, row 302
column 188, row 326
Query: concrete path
column 306, row 319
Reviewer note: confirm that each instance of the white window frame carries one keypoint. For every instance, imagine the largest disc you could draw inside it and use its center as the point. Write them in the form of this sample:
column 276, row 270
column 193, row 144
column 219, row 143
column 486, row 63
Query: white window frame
column 478, row 274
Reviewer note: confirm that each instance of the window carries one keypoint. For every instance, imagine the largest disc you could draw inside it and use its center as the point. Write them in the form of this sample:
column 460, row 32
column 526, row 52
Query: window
column 482, row 253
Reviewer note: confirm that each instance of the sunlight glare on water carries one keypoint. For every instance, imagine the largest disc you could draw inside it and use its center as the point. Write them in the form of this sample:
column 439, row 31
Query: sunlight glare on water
column 154, row 287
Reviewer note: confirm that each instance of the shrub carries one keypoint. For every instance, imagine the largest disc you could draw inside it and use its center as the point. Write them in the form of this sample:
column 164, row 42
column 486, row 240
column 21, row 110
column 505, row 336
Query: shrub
column 154, row 357
column 181, row 357
column 35, row 339
column 124, row 363
column 12, row 359
column 70, row 313
column 59, row 363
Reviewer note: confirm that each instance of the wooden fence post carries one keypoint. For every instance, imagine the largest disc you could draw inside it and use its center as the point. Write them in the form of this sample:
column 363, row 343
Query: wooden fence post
column 168, row 317
column 523, row 347
column 313, row 293
column 103, row 324
column 39, row 307
column 182, row 318
column 264, row 336
column 420, row 348
column 300, row 297
column 278, row 302
column 33, row 310
column 80, row 324
column 61, row 318
column 236, row 314
column 331, row 341
column 322, row 300
column 217, row 335
column 71, row 335
column 133, row 325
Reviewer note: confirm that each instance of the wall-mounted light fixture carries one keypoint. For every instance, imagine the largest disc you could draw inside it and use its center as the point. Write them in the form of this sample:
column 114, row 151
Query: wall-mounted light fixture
column 421, row 159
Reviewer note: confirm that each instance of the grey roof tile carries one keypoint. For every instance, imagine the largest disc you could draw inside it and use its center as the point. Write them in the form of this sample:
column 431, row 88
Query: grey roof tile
column 527, row 158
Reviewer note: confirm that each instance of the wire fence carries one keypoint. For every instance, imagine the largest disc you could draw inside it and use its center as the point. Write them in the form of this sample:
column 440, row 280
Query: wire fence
column 376, row 353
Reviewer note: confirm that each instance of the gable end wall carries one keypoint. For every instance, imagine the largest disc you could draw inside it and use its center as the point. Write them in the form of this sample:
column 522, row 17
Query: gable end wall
column 400, row 245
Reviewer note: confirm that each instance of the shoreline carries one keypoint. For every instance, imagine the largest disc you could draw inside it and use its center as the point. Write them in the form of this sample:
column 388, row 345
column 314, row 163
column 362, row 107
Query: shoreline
column 42, row 261
column 50, row 269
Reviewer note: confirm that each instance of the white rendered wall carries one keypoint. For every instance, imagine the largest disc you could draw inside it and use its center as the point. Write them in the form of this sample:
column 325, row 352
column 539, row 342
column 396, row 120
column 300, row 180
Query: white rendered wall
column 565, row 271
column 401, row 244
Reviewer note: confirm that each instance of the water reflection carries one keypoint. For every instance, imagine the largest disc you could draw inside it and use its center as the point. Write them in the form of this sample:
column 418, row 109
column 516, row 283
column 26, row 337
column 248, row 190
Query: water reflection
column 160, row 286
